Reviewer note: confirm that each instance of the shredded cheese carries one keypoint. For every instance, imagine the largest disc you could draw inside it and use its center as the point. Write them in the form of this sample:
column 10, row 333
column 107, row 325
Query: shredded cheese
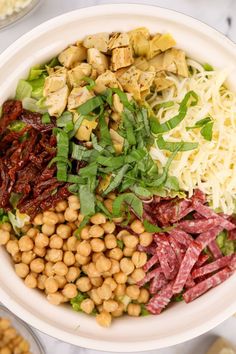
column 8, row 7
column 212, row 166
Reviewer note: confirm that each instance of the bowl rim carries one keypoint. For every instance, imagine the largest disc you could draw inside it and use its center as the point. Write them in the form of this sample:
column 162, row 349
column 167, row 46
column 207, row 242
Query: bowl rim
column 22, row 312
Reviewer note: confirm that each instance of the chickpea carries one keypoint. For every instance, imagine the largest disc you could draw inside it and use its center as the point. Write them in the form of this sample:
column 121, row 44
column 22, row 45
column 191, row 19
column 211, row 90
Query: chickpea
column 116, row 253
column 50, row 218
column 70, row 291
column 120, row 278
column 54, row 255
column 39, row 251
column 51, row 285
column 37, row 265
column 133, row 292
column 16, row 257
column 4, row 324
column 95, row 297
column 61, row 206
column 145, row 239
column 103, row 264
column 61, row 281
column 12, row 247
column 56, row 298
column 48, row 229
column 55, row 242
column 6, row 226
column 137, row 226
column 130, row 241
column 128, row 252
column 119, row 311
column 84, row 248
column 109, row 205
column 87, row 306
column 96, row 281
column 25, row 228
column 85, row 233
column 104, row 319
column 64, row 247
column 61, row 218
column 139, row 259
column 81, row 259
column 134, row 310
column 121, row 234
column 71, row 215
column 38, row 220
column 27, row 257
column 72, row 243
column 110, row 241
column 10, row 333
column 69, row 258
column 31, row 281
column 97, row 245
column 26, row 244
column 96, row 255
column 22, row 270
column 32, row 232
column 143, row 296
column 96, row 231
column 48, row 270
column 74, row 202
column 84, row 284
column 64, row 231
column 41, row 281
column 111, row 282
column 92, row 271
column 60, row 268
column 104, row 292
column 73, row 274
column 109, row 227
column 98, row 219
column 137, row 275
column 41, row 240
column 120, row 290
column 4, row 237
column 110, row 305
column 115, row 266
column 126, row 266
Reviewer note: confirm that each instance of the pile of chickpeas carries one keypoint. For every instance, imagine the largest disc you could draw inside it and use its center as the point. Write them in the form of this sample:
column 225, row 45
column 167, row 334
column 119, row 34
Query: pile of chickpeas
column 11, row 342
column 49, row 256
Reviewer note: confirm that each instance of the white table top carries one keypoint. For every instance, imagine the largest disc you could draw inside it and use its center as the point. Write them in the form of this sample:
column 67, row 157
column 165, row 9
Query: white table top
column 220, row 14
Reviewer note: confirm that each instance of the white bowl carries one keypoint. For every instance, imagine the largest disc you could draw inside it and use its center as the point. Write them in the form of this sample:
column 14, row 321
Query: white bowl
column 181, row 322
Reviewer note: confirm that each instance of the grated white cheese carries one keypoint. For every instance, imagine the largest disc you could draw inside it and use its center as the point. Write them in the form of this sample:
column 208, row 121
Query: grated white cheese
column 8, row 7
column 212, row 166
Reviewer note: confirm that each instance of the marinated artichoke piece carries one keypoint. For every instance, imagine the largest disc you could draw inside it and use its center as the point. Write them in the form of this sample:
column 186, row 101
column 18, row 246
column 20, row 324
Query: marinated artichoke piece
column 129, row 80
column 107, row 79
column 139, row 39
column 160, row 43
column 55, row 81
column 174, row 60
column 162, row 82
column 56, row 101
column 146, row 79
column 85, row 130
column 118, row 40
column 77, row 74
column 117, row 140
column 141, row 63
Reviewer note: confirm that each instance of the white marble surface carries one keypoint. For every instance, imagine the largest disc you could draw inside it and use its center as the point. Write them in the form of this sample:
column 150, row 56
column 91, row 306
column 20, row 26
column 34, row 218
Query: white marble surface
column 220, row 14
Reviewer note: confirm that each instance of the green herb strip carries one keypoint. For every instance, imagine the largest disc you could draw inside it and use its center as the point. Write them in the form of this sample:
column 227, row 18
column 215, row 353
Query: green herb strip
column 172, row 146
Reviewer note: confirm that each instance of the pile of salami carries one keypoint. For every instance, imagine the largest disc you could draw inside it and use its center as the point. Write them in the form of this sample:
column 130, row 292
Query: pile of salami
column 186, row 259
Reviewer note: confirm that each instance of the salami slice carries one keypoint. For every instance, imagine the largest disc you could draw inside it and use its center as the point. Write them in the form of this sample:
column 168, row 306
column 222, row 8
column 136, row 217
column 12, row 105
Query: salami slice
column 201, row 260
column 178, row 251
column 215, row 249
column 159, row 301
column 155, row 272
column 207, row 237
column 163, row 259
column 190, row 282
column 232, row 235
column 190, row 258
column 232, row 264
column 198, row 226
column 150, row 263
column 208, row 213
column 207, row 284
column 212, row 267
column 149, row 249
column 157, row 283
column 167, row 256
column 181, row 236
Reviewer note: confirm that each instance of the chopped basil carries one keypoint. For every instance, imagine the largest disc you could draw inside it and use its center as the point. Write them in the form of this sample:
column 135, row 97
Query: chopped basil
column 90, row 81
column 117, row 179
column 207, row 131
column 207, row 67
column 120, row 244
column 87, row 200
column 172, row 146
column 200, row 123
column 131, row 200
column 90, row 105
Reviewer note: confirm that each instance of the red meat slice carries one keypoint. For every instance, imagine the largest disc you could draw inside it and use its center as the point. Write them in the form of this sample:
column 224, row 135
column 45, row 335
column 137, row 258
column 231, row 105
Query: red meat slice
column 232, row 264
column 178, row 251
column 181, row 236
column 157, row 283
column 159, row 301
column 150, row 263
column 190, row 258
column 189, row 282
column 208, row 214
column 201, row 260
column 198, row 226
column 166, row 256
column 207, row 284
column 212, row 267
column 207, row 237
column 215, row 249
column 155, row 272
column 148, row 249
